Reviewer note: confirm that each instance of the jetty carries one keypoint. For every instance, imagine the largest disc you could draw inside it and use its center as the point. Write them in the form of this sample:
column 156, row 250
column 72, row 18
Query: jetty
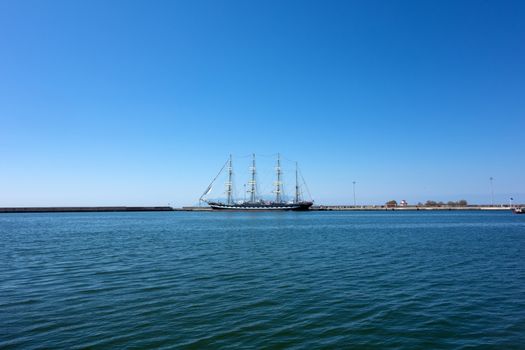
column 80, row 209
column 208, row 209
column 379, row 208
column 405, row 208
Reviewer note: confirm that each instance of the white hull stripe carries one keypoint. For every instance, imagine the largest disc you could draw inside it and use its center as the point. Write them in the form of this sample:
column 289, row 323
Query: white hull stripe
column 255, row 208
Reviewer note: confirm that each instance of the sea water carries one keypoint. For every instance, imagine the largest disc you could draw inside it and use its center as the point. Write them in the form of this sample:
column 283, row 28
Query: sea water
column 311, row 280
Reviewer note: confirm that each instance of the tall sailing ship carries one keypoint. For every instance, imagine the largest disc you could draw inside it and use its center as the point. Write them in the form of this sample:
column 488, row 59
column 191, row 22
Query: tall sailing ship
column 255, row 202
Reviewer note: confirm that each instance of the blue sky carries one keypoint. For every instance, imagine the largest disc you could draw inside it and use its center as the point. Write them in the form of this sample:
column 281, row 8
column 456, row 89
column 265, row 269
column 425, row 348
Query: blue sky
column 140, row 102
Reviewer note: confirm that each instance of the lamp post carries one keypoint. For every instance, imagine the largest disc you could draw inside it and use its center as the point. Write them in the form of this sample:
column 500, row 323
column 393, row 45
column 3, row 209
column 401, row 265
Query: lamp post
column 491, row 179
column 353, row 182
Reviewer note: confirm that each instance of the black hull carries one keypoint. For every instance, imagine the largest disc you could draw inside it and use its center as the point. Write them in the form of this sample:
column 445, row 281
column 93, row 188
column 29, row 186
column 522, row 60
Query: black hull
column 302, row 206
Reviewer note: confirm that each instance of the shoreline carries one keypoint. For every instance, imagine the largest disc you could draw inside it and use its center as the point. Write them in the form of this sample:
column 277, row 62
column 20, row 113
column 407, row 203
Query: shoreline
column 208, row 209
column 80, row 209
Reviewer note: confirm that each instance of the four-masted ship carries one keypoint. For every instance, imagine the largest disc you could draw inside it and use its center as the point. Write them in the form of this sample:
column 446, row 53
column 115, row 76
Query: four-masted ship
column 256, row 203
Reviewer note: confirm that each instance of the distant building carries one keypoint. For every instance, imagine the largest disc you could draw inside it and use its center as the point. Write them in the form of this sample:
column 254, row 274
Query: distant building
column 391, row 204
column 403, row 203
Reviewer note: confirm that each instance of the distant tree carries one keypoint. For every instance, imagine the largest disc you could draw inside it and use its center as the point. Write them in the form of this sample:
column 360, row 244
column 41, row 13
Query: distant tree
column 460, row 203
column 391, row 203
column 419, row 204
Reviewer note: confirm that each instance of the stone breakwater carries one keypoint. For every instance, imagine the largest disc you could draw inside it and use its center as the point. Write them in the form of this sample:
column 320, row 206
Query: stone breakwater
column 405, row 208
column 206, row 208
column 375, row 208
column 80, row 209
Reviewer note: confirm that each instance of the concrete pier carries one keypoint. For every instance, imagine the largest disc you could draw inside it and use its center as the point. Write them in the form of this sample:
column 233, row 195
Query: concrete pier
column 378, row 208
column 404, row 208
column 208, row 209
column 80, row 209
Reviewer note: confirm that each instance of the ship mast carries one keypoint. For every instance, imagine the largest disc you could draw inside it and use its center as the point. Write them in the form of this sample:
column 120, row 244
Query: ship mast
column 229, row 184
column 278, row 183
column 296, row 184
column 253, row 182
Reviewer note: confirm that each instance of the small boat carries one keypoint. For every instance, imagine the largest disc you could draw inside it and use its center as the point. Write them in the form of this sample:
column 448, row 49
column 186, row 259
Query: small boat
column 519, row 210
column 255, row 203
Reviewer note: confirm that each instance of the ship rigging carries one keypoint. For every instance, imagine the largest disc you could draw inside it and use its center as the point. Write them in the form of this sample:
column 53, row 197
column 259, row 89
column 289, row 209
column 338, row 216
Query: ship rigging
column 255, row 202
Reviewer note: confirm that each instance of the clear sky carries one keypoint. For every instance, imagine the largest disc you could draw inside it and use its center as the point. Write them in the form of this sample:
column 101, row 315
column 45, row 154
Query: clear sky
column 140, row 102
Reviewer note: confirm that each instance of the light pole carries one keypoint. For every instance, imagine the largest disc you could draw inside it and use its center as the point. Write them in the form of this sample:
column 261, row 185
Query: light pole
column 353, row 182
column 491, row 191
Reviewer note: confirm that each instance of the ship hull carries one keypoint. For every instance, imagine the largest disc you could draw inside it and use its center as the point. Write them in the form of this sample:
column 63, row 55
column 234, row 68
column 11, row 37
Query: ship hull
column 262, row 206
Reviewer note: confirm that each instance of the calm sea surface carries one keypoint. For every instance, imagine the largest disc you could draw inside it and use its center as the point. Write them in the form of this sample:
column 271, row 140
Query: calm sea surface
column 262, row 280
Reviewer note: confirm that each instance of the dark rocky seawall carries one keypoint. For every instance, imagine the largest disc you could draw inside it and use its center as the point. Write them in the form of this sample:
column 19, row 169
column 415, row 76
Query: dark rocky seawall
column 79, row 209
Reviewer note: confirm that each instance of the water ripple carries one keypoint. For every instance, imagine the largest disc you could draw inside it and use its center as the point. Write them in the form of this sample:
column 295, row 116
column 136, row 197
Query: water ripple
column 266, row 280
